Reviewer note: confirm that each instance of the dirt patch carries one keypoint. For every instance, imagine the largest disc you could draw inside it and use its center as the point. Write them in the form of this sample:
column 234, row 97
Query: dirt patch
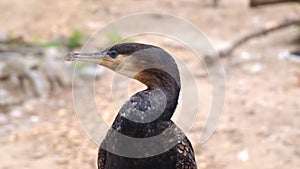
column 260, row 125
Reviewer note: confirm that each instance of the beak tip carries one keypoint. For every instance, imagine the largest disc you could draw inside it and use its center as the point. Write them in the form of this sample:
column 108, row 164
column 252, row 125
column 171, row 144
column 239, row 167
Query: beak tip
column 70, row 56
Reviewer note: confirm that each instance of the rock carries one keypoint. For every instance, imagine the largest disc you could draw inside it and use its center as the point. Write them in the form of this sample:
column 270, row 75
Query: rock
column 41, row 84
column 55, row 69
column 6, row 98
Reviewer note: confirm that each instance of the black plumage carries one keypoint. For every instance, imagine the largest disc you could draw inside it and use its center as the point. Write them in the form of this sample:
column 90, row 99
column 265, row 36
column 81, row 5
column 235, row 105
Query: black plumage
column 147, row 113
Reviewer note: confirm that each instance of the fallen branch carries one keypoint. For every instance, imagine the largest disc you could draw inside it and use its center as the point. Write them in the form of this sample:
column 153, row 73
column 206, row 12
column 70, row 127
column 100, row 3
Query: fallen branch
column 255, row 3
column 286, row 23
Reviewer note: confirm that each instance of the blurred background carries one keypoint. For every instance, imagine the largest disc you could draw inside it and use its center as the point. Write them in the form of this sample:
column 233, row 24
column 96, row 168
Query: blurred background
column 259, row 45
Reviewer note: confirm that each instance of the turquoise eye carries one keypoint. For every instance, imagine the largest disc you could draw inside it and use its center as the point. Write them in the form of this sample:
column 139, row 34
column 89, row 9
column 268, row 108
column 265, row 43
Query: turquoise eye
column 114, row 54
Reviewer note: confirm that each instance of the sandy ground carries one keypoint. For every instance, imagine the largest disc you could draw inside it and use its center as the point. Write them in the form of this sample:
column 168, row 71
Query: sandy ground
column 260, row 125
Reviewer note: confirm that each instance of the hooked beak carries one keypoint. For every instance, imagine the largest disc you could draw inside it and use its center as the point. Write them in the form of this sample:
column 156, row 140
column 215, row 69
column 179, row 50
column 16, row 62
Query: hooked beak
column 100, row 58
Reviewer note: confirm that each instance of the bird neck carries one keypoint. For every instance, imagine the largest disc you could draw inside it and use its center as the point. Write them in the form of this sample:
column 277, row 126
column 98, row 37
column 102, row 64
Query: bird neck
column 156, row 79
column 163, row 91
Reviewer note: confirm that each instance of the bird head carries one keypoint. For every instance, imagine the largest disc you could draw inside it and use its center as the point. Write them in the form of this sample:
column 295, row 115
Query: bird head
column 143, row 62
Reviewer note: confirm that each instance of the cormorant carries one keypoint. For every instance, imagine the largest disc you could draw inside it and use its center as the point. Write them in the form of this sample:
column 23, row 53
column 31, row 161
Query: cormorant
column 146, row 114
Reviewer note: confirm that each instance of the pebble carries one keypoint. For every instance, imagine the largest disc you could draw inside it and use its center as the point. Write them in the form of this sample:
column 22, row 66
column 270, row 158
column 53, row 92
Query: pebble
column 3, row 118
column 243, row 155
column 263, row 102
column 16, row 113
column 283, row 55
column 272, row 137
column 38, row 155
column 245, row 55
column 264, row 131
column 34, row 119
column 256, row 68
column 52, row 52
column 29, row 105
column 61, row 161
column 62, row 113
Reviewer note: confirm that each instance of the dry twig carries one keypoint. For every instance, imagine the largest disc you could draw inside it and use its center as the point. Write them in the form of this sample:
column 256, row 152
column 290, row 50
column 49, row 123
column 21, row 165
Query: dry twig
column 267, row 29
column 255, row 3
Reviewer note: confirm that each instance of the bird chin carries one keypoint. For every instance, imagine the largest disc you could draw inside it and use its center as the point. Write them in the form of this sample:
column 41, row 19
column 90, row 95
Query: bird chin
column 130, row 73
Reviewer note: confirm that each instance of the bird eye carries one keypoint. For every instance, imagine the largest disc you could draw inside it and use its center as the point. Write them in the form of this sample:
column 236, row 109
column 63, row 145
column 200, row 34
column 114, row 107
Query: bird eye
column 114, row 54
